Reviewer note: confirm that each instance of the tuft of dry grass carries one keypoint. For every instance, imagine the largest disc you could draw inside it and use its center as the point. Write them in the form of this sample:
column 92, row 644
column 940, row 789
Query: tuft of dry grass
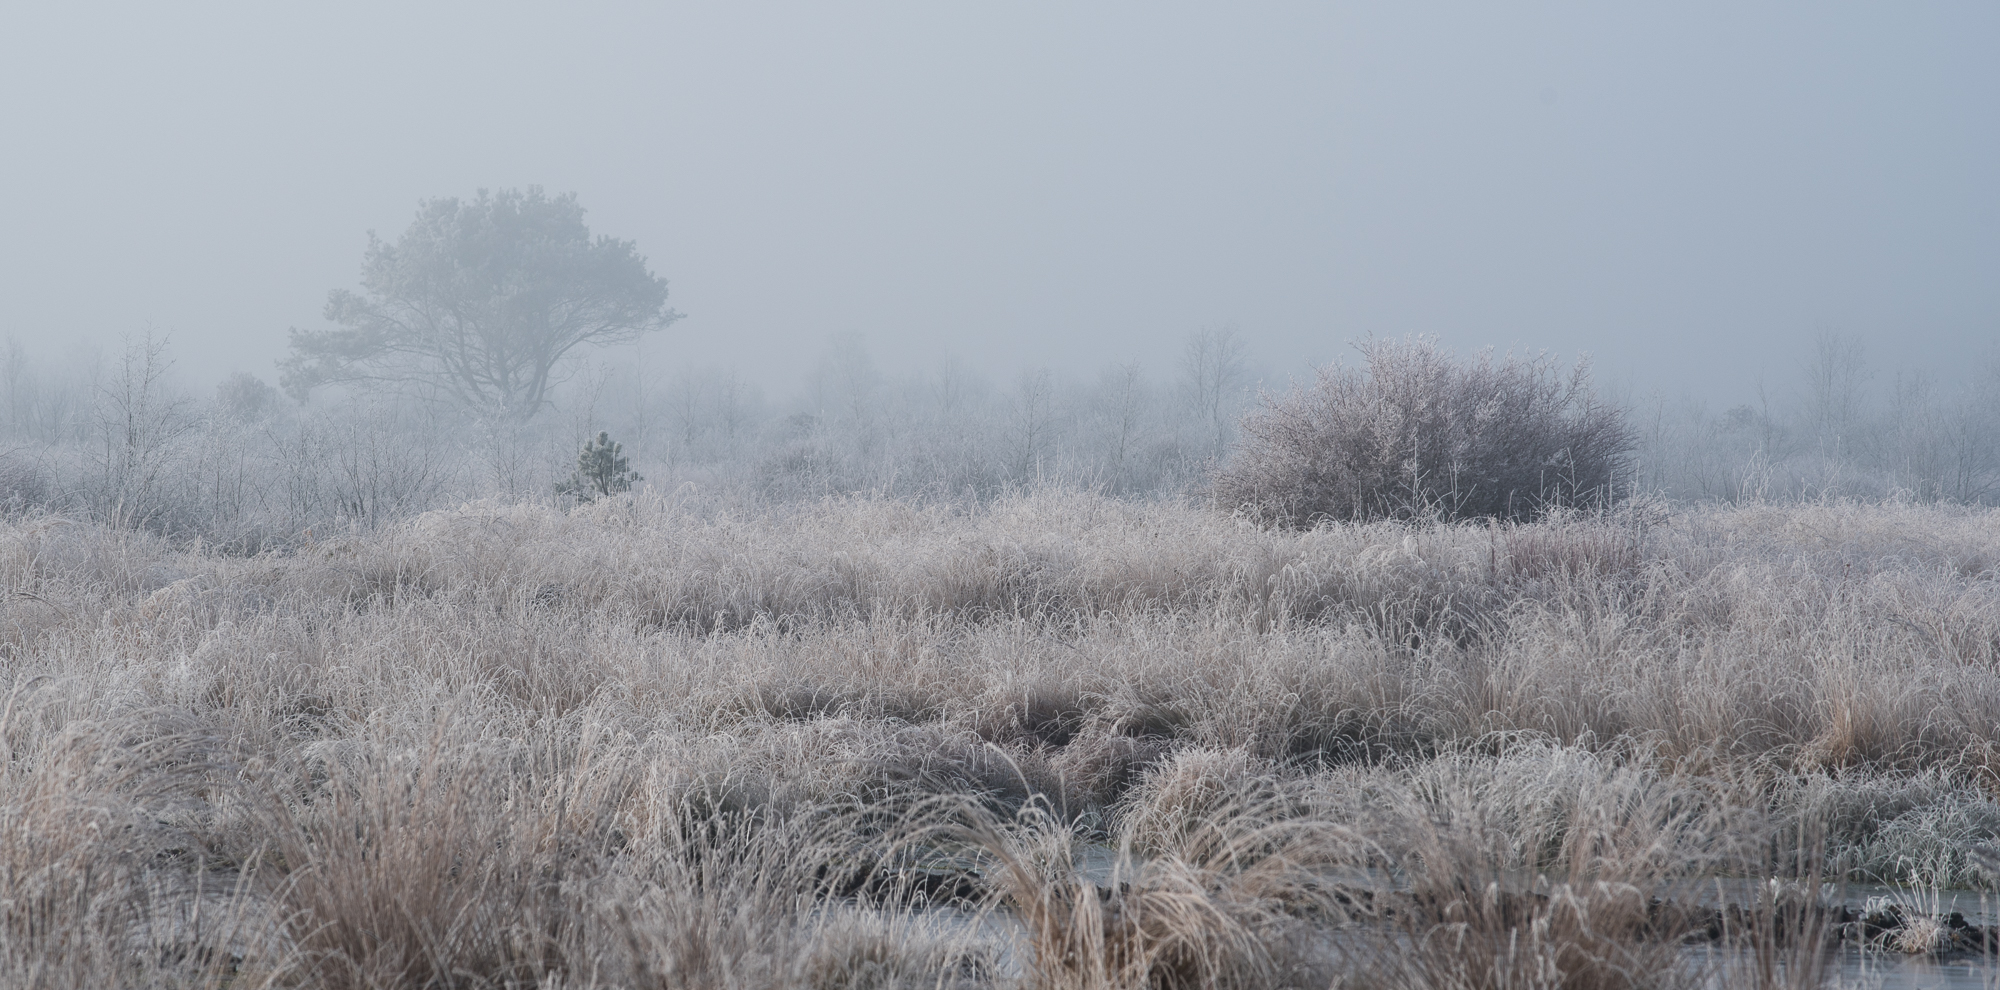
column 1217, row 910
column 104, row 878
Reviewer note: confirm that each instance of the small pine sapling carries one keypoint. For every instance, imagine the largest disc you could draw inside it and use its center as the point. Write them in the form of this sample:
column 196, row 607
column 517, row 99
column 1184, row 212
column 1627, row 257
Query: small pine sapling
column 601, row 470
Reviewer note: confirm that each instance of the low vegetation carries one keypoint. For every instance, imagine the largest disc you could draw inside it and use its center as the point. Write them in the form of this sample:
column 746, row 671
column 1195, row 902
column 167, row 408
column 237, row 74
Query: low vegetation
column 1400, row 430
column 1053, row 740
column 1418, row 432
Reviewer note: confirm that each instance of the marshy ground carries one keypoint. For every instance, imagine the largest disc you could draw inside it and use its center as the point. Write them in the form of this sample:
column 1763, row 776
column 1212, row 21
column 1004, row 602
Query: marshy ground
column 1058, row 740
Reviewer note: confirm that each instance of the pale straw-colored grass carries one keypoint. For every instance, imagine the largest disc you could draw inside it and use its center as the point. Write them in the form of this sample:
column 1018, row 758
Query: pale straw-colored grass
column 498, row 745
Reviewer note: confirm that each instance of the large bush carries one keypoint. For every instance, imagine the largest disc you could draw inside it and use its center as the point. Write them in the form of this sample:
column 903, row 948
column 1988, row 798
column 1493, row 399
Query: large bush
column 1419, row 432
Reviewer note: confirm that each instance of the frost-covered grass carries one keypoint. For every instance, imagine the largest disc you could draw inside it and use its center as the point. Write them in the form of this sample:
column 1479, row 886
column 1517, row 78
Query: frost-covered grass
column 662, row 742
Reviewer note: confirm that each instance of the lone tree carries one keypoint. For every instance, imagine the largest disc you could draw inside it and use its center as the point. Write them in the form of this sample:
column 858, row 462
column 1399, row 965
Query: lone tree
column 480, row 300
column 1421, row 433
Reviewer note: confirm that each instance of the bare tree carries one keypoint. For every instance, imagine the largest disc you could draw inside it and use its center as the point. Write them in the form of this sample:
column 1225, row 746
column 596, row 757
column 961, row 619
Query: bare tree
column 14, row 384
column 1835, row 376
column 732, row 409
column 845, row 391
column 686, row 406
column 1213, row 372
column 138, row 423
column 1121, row 394
column 1967, row 444
column 952, row 389
column 1031, row 422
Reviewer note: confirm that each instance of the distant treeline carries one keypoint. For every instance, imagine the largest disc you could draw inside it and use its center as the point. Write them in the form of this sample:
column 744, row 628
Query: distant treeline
column 1839, row 427
column 119, row 439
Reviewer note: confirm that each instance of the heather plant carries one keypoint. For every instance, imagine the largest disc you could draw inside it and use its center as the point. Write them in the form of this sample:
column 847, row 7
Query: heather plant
column 1420, row 433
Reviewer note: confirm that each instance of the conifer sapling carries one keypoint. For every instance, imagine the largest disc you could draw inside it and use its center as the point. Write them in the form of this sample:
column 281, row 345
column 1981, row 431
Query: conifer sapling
column 601, row 470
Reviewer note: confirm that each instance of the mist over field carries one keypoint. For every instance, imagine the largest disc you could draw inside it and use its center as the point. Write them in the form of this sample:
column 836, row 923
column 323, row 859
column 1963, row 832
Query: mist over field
column 1137, row 497
column 1690, row 195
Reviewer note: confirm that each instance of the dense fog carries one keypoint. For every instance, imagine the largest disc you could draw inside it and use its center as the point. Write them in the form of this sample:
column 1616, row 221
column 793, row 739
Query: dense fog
column 1011, row 496
column 954, row 253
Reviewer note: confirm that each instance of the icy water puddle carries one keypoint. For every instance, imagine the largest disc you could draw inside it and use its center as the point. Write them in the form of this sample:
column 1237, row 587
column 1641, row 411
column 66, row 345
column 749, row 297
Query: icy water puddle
column 1874, row 969
column 1979, row 907
column 1852, row 966
column 1857, row 969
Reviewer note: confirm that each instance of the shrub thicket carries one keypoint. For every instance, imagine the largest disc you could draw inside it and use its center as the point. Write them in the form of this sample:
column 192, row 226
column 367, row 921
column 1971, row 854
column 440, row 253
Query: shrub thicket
column 1422, row 433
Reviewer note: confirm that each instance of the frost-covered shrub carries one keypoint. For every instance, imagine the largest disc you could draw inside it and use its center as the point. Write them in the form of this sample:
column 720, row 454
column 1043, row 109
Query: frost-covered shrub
column 1419, row 432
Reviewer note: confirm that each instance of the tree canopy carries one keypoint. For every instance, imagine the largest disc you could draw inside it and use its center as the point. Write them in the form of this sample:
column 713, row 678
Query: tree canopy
column 480, row 300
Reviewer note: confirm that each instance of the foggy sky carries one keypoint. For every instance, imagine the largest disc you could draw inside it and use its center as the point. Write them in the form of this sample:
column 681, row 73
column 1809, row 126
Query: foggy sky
column 1689, row 192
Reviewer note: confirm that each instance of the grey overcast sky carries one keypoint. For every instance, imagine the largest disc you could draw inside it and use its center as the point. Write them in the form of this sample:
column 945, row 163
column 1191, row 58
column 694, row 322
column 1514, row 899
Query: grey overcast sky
column 1688, row 191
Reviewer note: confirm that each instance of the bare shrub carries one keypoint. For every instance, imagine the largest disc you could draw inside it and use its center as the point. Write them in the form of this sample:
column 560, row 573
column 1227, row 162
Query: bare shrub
column 142, row 428
column 1421, row 433
column 24, row 485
